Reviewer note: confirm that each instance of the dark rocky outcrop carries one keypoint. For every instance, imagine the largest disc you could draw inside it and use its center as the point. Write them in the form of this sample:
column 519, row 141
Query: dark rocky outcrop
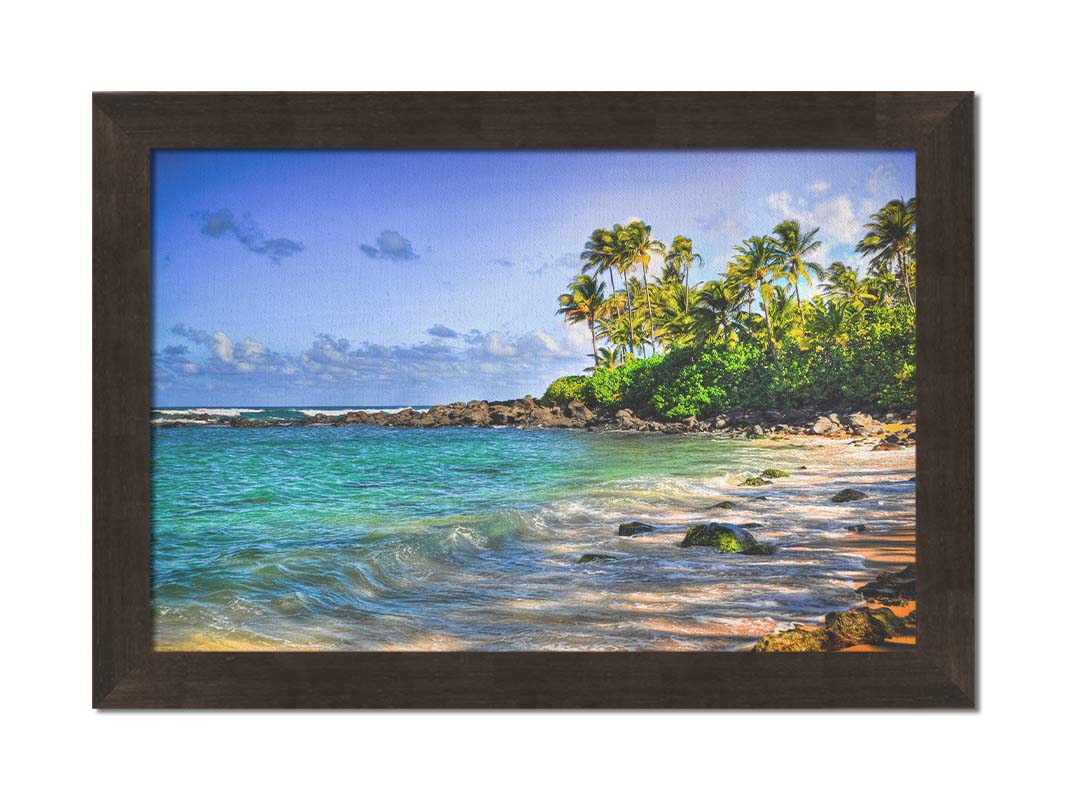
column 842, row 629
column 860, row 528
column 755, row 482
column 848, row 496
column 634, row 528
column 725, row 504
column 724, row 538
column 892, row 585
column 529, row 413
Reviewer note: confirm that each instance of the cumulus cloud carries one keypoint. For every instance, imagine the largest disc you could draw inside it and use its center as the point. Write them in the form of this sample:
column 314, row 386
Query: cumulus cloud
column 835, row 218
column 502, row 364
column 391, row 246
column 217, row 224
column 818, row 187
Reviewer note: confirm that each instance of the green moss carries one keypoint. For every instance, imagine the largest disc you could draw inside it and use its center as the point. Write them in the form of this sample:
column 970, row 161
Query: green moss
column 758, row 550
column 724, row 538
column 771, row 472
column 754, row 482
column 847, row 496
column 724, row 504
column 794, row 641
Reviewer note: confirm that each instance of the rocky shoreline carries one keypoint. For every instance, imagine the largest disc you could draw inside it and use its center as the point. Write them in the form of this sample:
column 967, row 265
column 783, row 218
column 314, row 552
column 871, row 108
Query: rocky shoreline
column 887, row 617
column 891, row 429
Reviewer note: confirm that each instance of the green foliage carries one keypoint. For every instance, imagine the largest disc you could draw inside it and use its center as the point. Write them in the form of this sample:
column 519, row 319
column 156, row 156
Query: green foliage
column 568, row 388
column 748, row 340
column 871, row 363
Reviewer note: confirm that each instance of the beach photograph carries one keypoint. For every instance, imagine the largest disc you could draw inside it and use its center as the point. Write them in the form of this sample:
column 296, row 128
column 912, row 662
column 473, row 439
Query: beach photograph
column 533, row 400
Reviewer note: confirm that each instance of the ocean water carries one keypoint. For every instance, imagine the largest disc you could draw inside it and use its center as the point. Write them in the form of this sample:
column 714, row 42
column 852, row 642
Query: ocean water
column 371, row 538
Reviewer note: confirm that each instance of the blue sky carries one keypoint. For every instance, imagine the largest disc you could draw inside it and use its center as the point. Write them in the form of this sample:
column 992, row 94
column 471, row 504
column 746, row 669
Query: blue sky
column 416, row 277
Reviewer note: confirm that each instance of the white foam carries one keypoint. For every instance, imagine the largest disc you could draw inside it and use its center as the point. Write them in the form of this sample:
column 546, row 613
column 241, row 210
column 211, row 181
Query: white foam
column 218, row 412
column 338, row 412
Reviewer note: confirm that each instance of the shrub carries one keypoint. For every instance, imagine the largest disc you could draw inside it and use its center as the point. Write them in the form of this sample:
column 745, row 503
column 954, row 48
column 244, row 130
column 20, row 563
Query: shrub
column 566, row 389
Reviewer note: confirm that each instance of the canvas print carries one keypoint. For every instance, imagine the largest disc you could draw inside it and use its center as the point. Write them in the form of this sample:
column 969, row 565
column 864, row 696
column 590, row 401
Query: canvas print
column 534, row 400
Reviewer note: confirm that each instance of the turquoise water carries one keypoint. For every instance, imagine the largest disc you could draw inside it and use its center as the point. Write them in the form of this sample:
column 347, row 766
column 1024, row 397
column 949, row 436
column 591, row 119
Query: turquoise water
column 361, row 538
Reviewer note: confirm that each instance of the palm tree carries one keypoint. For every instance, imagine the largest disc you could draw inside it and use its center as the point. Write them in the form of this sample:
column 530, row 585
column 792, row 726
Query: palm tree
column 639, row 247
column 601, row 254
column 844, row 288
column 793, row 247
column 715, row 313
column 680, row 259
column 826, row 321
column 757, row 267
column 583, row 304
column 675, row 323
column 890, row 240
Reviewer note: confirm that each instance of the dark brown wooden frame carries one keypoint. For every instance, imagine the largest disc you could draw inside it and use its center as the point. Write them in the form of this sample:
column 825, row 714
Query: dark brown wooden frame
column 938, row 126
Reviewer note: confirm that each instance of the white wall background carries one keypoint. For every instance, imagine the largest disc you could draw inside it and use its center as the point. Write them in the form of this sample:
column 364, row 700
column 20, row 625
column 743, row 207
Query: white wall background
column 53, row 57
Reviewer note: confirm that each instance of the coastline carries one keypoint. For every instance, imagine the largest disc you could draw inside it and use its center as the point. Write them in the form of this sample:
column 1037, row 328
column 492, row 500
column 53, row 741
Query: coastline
column 892, row 428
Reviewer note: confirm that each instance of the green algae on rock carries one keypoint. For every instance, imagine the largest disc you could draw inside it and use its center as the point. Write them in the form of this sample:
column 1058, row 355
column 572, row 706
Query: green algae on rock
column 724, row 538
column 771, row 472
column 848, row 495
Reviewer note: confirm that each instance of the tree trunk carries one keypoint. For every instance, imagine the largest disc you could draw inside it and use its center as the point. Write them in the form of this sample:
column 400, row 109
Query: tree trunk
column 687, row 287
column 902, row 271
column 629, row 313
column 770, row 334
column 592, row 332
column 648, row 300
column 800, row 307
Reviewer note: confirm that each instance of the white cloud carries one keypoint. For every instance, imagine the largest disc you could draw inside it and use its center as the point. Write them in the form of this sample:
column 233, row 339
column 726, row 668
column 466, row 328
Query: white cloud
column 883, row 181
column 818, row 187
column 500, row 363
column 835, row 218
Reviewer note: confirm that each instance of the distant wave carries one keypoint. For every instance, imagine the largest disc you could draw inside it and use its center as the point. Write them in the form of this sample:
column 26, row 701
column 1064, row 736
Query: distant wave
column 196, row 415
column 338, row 412
column 218, row 412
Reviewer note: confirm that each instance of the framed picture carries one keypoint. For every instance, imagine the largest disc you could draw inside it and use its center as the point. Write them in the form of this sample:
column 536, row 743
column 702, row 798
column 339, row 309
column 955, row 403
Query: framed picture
column 579, row 400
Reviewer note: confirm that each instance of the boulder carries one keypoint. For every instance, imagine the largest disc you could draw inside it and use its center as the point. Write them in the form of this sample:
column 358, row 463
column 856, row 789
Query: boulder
column 754, row 482
column 861, row 626
column 634, row 528
column 771, row 472
column 848, row 495
column 892, row 585
column 798, row 640
column 726, row 504
column 589, row 558
column 822, row 426
column 576, row 409
column 883, row 446
column 758, row 550
column 856, row 528
column 724, row 538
